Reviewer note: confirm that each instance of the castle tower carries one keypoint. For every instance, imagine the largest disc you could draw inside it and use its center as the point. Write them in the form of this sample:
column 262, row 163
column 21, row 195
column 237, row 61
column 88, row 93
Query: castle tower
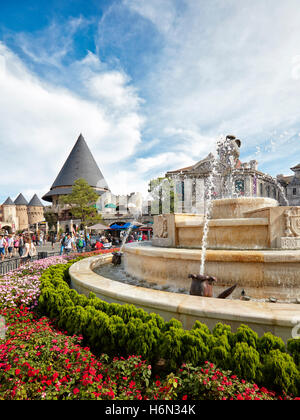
column 80, row 164
column 21, row 210
column 9, row 214
column 35, row 210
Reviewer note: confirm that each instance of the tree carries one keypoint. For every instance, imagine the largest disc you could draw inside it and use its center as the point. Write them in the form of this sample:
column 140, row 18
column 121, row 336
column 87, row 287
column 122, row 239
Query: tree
column 51, row 218
column 162, row 195
column 82, row 201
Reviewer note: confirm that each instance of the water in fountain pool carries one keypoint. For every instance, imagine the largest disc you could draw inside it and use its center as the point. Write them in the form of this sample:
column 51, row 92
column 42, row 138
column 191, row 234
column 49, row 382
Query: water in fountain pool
column 118, row 273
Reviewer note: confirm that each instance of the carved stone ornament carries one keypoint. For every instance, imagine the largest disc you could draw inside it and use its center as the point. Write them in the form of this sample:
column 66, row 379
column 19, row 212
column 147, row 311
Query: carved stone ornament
column 161, row 227
column 292, row 222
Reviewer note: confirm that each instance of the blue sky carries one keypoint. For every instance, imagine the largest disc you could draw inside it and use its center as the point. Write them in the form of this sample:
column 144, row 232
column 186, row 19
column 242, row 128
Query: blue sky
column 151, row 84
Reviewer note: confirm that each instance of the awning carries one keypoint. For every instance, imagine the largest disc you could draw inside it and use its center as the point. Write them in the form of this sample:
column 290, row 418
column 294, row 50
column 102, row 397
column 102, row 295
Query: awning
column 123, row 227
column 98, row 226
column 115, row 226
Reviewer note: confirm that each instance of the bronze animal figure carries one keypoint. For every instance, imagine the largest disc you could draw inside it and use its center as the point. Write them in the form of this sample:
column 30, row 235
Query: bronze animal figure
column 117, row 258
column 203, row 286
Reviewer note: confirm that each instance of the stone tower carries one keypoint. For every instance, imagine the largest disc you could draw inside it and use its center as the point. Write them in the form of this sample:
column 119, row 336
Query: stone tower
column 21, row 211
column 35, row 210
column 10, row 214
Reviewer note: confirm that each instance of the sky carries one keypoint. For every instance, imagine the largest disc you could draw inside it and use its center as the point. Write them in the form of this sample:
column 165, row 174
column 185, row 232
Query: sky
column 150, row 84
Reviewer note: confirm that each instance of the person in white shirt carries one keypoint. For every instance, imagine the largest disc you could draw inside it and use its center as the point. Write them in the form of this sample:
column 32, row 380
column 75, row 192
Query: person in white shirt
column 10, row 246
column 2, row 247
column 30, row 249
column 69, row 244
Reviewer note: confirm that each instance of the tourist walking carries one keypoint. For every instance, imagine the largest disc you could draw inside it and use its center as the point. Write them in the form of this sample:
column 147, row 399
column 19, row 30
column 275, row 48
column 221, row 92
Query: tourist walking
column 21, row 245
column 2, row 247
column 69, row 244
column 16, row 245
column 62, row 244
column 52, row 240
column 10, row 246
column 30, row 249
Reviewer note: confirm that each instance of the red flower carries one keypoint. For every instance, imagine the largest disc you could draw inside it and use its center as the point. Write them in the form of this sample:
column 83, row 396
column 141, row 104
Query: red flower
column 75, row 391
column 17, row 371
column 185, row 397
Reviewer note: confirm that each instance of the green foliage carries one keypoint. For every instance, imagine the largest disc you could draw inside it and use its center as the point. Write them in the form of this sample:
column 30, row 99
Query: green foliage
column 246, row 361
column 280, row 372
column 269, row 342
column 293, row 347
column 244, row 334
column 82, row 201
column 122, row 330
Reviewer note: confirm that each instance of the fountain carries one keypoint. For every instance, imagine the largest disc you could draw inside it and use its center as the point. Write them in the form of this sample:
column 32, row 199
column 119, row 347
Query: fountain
column 247, row 248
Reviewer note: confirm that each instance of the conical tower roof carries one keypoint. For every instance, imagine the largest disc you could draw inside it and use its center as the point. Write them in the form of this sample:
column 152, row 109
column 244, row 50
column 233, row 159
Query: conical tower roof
column 79, row 164
column 21, row 200
column 8, row 202
column 35, row 202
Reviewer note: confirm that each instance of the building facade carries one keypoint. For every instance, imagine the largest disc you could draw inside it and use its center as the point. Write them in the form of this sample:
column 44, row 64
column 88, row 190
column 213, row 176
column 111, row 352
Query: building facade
column 81, row 164
column 20, row 215
column 291, row 185
column 190, row 184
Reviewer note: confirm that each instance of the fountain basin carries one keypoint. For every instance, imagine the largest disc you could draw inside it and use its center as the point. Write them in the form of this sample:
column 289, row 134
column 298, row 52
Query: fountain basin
column 262, row 273
column 279, row 319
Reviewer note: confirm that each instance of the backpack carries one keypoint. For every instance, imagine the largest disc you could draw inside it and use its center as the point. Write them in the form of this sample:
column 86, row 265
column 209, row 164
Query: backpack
column 80, row 243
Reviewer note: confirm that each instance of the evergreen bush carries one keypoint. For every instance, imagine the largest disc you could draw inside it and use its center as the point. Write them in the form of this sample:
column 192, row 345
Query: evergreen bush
column 121, row 330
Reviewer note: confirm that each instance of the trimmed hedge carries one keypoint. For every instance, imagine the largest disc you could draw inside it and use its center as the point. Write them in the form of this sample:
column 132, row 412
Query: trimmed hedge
column 124, row 329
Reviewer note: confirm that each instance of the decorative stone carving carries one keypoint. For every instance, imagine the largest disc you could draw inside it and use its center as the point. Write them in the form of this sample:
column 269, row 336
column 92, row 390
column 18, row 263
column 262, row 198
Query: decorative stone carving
column 161, row 227
column 289, row 243
column 292, row 222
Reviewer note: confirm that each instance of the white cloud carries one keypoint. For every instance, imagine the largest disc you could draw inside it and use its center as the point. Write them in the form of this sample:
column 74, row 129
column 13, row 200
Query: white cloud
column 160, row 13
column 41, row 122
column 51, row 45
column 224, row 70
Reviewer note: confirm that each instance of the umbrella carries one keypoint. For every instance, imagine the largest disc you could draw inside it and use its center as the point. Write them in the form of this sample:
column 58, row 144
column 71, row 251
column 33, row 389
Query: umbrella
column 115, row 226
column 98, row 226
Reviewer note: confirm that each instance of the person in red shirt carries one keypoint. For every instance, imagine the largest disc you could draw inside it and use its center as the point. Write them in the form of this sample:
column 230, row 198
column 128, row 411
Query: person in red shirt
column 98, row 245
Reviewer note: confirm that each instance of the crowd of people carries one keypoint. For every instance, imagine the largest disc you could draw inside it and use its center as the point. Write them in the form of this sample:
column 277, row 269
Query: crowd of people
column 25, row 245
column 86, row 243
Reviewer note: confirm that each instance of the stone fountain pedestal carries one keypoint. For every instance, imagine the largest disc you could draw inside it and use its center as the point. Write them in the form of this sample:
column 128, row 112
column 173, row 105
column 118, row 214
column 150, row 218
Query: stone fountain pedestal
column 252, row 242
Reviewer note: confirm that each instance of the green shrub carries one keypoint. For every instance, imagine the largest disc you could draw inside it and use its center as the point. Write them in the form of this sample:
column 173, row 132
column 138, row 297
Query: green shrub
column 280, row 372
column 246, row 362
column 244, row 334
column 293, row 347
column 269, row 342
column 122, row 330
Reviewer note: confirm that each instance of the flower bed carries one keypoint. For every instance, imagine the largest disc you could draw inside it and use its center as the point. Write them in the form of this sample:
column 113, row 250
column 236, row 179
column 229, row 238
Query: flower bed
column 22, row 286
column 37, row 361
column 40, row 362
column 124, row 329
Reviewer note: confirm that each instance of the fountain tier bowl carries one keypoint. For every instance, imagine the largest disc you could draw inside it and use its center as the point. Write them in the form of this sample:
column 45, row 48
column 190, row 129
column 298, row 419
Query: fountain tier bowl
column 234, row 208
column 262, row 274
column 279, row 319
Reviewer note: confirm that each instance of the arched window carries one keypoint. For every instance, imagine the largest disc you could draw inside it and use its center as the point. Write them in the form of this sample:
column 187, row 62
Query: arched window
column 240, row 186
